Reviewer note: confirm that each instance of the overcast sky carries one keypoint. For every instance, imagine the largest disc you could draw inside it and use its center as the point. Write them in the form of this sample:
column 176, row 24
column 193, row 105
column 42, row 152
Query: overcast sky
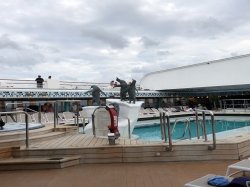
column 99, row 40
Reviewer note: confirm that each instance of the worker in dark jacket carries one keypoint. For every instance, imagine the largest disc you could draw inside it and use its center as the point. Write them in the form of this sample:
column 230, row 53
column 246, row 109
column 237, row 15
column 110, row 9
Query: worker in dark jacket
column 124, row 88
column 95, row 91
column 39, row 81
column 132, row 91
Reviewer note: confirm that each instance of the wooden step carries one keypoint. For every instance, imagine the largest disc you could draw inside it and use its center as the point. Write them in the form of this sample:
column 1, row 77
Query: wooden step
column 143, row 153
column 21, row 134
column 39, row 163
column 16, row 138
column 6, row 152
column 32, row 139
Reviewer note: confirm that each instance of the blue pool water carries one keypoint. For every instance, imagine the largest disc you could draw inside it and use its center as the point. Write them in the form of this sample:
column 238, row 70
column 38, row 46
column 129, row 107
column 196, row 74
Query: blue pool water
column 152, row 131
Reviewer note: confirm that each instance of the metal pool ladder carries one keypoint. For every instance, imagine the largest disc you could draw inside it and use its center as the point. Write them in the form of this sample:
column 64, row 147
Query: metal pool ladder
column 166, row 132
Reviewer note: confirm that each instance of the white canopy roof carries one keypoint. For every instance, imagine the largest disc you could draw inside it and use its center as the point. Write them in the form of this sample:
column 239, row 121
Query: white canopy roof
column 227, row 72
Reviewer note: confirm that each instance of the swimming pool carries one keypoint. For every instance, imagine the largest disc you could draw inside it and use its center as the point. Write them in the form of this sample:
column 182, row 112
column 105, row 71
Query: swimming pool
column 150, row 130
column 20, row 126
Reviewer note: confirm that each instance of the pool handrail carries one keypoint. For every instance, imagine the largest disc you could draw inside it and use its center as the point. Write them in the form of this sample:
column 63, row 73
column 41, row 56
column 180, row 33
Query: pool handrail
column 210, row 147
column 165, row 126
column 179, row 120
column 187, row 127
column 197, row 120
column 26, row 124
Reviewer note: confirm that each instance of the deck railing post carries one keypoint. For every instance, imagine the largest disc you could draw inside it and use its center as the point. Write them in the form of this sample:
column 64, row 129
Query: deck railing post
column 213, row 132
column 161, row 126
column 77, row 116
column 83, row 125
column 164, row 127
column 55, row 115
column 169, row 148
column 27, row 130
column 39, row 113
column 197, row 125
column 189, row 129
column 93, row 124
column 204, row 125
column 129, row 133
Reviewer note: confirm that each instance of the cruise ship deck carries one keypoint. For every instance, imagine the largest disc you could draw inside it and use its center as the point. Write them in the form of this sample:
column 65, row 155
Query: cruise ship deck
column 134, row 162
column 52, row 148
column 66, row 141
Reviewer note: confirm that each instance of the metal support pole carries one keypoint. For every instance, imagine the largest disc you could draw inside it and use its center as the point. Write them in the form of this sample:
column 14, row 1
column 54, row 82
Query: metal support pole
column 93, row 125
column 39, row 113
column 189, row 130
column 83, row 125
column 161, row 126
column 213, row 132
column 169, row 135
column 55, row 116
column 197, row 125
column 164, row 127
column 27, row 130
column 129, row 133
column 77, row 117
column 204, row 125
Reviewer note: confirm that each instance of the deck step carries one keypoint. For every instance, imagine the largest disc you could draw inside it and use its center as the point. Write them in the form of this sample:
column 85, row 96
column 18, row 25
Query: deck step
column 21, row 134
column 39, row 163
column 36, row 132
column 32, row 139
column 17, row 138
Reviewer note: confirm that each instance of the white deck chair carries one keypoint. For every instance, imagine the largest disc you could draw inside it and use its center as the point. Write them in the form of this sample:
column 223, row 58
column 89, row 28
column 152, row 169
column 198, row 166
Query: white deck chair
column 69, row 117
column 21, row 118
column 202, row 182
column 49, row 116
column 156, row 111
column 36, row 120
column 241, row 166
column 167, row 109
column 84, row 116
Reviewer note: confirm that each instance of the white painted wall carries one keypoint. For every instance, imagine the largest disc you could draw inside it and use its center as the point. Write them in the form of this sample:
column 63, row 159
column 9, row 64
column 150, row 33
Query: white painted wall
column 224, row 72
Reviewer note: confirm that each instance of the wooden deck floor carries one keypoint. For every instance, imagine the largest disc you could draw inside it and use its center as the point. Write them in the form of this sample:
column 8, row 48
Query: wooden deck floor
column 83, row 140
column 173, row 174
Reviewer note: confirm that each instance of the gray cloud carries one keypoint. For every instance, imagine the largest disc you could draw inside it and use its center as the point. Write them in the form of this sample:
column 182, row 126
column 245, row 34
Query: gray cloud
column 14, row 53
column 111, row 38
column 93, row 41
column 5, row 42
column 149, row 42
column 23, row 58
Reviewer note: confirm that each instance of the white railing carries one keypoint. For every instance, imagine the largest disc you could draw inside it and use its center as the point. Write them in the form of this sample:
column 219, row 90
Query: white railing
column 236, row 104
column 56, row 84
column 19, row 83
